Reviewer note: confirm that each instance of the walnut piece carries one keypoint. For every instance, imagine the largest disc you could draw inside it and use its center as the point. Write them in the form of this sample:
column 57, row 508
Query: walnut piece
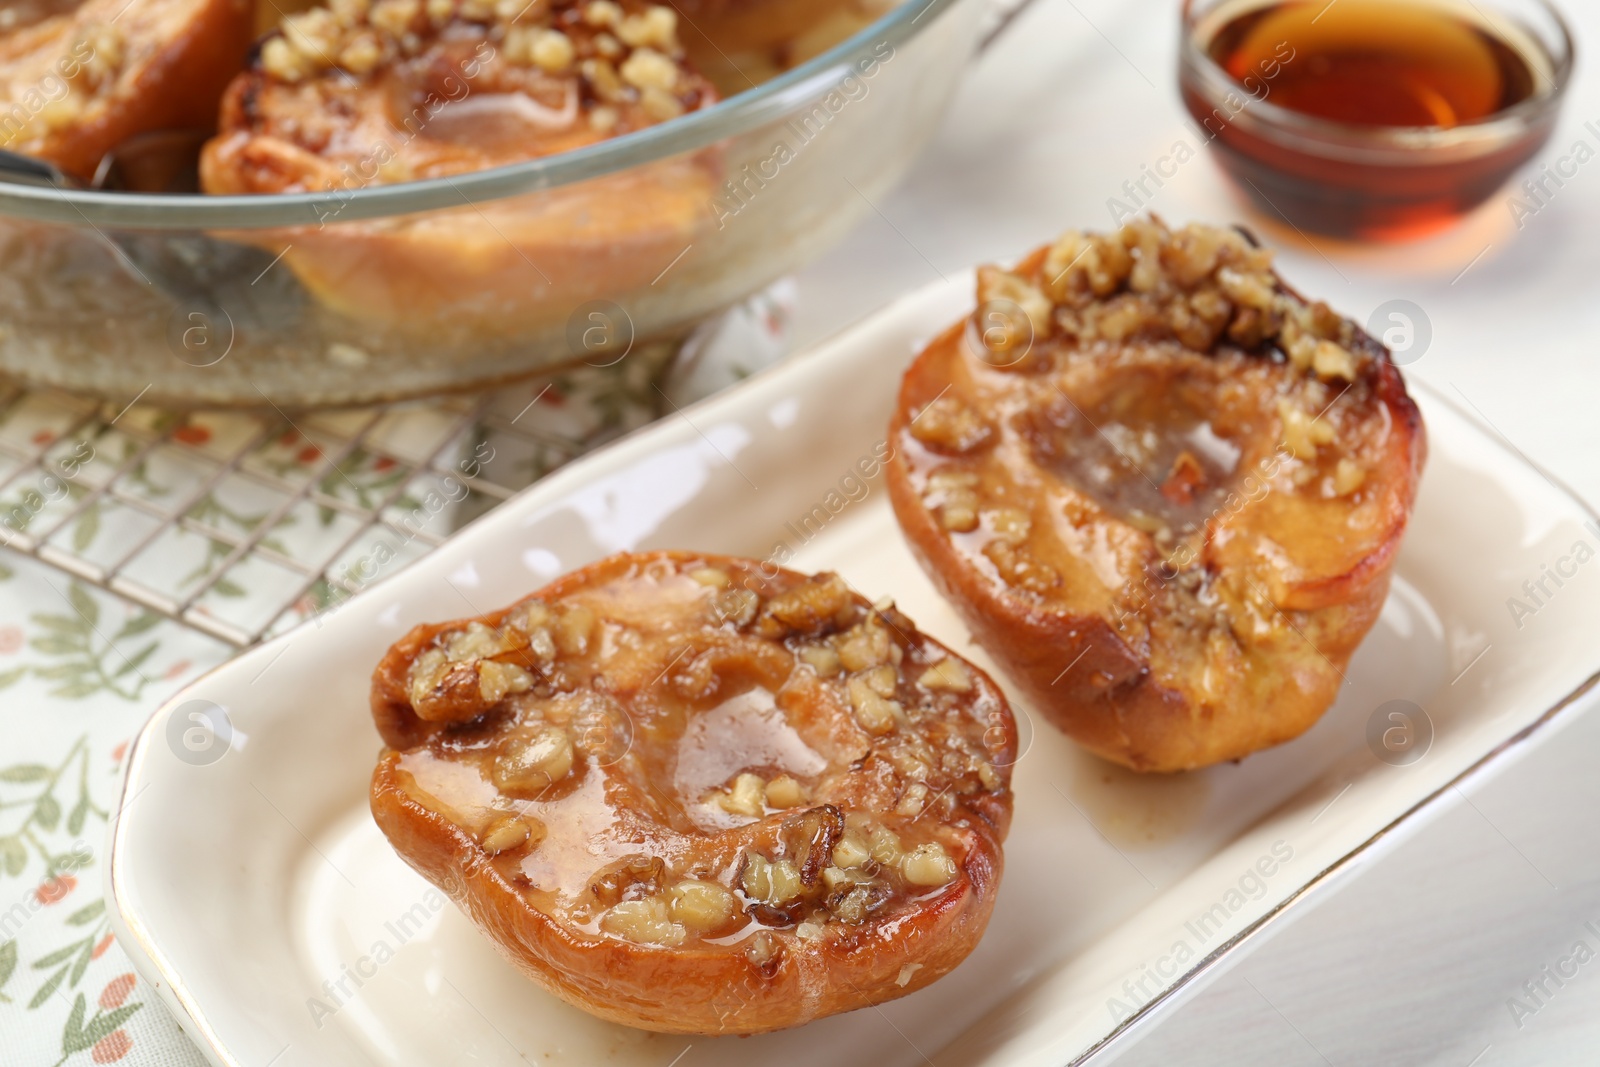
column 1197, row 285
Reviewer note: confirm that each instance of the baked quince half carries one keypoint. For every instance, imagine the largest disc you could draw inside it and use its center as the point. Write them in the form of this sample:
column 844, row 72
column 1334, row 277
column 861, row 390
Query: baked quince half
column 700, row 794
column 1163, row 490
column 747, row 24
column 370, row 92
column 79, row 77
column 739, row 44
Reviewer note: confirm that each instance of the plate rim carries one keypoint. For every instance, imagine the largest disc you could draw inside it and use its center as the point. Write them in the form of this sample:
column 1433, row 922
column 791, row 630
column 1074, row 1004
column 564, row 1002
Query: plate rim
column 1502, row 752
column 181, row 1000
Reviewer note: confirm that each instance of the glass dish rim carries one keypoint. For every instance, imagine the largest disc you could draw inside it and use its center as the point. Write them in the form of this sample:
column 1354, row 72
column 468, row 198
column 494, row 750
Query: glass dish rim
column 735, row 115
column 1396, row 143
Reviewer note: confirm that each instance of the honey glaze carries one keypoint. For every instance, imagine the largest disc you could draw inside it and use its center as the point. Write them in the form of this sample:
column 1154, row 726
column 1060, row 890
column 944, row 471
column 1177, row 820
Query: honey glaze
column 743, row 732
column 687, row 764
column 1141, row 517
column 1378, row 62
column 1149, row 451
column 1372, row 118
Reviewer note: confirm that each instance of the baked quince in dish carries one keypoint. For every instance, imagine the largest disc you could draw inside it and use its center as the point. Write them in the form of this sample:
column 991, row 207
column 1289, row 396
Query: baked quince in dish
column 365, row 92
column 699, row 794
column 749, row 24
column 79, row 77
column 1163, row 490
column 743, row 42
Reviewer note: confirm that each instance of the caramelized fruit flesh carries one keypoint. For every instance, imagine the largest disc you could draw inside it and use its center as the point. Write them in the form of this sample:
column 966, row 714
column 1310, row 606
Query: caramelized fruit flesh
column 364, row 93
column 1165, row 492
column 77, row 79
column 669, row 776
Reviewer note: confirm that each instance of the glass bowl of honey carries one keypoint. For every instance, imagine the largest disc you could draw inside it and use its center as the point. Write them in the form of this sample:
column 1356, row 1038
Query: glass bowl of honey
column 1374, row 119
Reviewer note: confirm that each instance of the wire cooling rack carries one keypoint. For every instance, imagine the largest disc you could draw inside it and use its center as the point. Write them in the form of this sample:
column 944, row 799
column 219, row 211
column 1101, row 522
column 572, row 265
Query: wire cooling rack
column 243, row 524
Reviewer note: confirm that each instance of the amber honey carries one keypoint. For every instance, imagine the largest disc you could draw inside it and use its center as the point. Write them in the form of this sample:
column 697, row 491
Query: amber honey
column 1370, row 118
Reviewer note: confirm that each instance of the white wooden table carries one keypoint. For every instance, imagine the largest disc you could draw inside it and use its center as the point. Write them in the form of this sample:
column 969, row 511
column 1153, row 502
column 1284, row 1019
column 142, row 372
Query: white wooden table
column 1418, row 960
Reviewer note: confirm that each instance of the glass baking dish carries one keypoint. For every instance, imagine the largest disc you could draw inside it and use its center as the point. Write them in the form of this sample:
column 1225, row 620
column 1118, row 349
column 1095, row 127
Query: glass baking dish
column 383, row 292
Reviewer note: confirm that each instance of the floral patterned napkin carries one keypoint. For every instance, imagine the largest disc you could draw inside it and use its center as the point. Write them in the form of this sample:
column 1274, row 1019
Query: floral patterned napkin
column 257, row 523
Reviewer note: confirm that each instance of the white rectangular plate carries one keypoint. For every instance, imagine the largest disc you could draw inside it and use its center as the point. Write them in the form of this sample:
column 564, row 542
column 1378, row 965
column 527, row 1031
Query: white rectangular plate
column 252, row 888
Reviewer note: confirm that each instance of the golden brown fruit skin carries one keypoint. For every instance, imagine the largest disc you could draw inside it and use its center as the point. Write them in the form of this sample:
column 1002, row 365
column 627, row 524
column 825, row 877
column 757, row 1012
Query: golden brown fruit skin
column 469, row 95
column 1217, row 617
column 79, row 79
column 625, row 806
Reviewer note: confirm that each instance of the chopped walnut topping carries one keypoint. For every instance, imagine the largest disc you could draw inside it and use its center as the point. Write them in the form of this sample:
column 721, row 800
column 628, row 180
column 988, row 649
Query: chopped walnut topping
column 948, row 675
column 959, row 517
column 1302, row 431
column 876, row 713
column 811, row 609
column 763, row 950
column 511, row 831
column 656, row 28
column 882, row 679
column 1197, row 285
column 822, row 659
column 746, row 796
column 995, row 285
column 1080, row 268
column 928, row 865
column 647, row 921
column 528, row 766
column 851, row 852
column 954, row 493
column 1254, row 290
column 1010, row 524
column 603, row 78
column 827, row 774
column 362, row 55
column 842, row 877
column 864, row 646
column 1331, row 361
column 649, row 69
column 711, row 576
column 1019, row 569
column 785, row 792
column 283, row 61
column 885, row 844
column 771, row 882
column 457, row 679
column 393, row 17
column 1348, row 476
column 913, row 800
column 640, row 62
column 704, row 907
column 573, row 630
column 853, row 906
column 660, row 104
column 632, row 877
column 549, row 50
column 477, row 641
column 602, row 13
column 495, row 680
column 738, row 606
column 949, row 426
